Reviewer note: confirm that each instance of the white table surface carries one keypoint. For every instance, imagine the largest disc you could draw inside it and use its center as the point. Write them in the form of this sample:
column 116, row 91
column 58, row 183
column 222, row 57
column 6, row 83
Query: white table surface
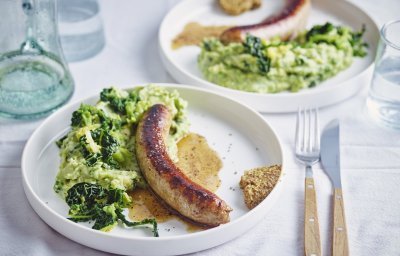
column 131, row 57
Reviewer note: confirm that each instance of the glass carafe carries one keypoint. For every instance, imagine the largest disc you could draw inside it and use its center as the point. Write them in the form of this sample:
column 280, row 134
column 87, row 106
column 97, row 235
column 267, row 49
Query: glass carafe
column 34, row 77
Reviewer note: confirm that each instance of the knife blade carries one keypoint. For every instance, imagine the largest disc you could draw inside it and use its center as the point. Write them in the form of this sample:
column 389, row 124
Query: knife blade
column 330, row 158
column 330, row 152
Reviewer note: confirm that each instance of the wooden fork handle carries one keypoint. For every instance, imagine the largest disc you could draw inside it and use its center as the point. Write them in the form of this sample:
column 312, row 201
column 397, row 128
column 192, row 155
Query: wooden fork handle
column 312, row 241
column 340, row 245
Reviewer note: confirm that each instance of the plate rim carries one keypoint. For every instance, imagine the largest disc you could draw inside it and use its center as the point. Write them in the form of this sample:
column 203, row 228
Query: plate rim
column 36, row 202
column 185, row 77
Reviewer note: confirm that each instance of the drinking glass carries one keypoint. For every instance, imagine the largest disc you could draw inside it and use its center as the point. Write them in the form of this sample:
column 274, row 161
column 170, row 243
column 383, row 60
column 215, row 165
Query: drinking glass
column 384, row 96
column 81, row 28
column 34, row 77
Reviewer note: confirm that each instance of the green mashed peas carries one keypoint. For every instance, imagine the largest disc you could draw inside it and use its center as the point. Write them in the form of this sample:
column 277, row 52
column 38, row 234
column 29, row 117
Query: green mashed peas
column 273, row 66
column 100, row 147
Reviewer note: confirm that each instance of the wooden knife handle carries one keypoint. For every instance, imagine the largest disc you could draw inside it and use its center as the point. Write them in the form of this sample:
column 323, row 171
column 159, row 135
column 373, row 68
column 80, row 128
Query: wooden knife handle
column 312, row 241
column 340, row 245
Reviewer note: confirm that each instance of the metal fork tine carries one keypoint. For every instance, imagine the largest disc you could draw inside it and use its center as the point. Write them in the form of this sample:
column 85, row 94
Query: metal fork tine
column 310, row 138
column 316, row 131
column 297, row 139
column 304, row 130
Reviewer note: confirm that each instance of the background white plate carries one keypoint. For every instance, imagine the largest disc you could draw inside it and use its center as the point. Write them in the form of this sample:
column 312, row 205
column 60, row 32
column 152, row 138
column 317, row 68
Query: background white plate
column 182, row 63
column 240, row 135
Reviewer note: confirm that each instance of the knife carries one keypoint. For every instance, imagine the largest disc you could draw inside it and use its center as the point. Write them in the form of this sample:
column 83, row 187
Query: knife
column 330, row 158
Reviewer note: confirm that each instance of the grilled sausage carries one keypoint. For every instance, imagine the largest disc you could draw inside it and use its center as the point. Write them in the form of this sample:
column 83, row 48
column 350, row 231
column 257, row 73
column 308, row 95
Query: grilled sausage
column 286, row 24
column 166, row 180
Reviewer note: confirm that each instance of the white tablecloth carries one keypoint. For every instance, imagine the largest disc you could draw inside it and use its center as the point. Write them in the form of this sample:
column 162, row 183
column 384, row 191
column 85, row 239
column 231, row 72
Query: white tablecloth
column 370, row 154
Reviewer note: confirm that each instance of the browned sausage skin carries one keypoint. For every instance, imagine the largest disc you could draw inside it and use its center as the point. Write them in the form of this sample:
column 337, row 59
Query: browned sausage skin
column 286, row 24
column 166, row 180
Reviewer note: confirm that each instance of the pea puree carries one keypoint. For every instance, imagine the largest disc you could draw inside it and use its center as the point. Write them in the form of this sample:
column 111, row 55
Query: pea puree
column 273, row 66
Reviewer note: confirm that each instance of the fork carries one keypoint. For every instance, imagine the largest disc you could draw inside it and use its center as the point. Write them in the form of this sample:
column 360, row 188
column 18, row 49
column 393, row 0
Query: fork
column 307, row 151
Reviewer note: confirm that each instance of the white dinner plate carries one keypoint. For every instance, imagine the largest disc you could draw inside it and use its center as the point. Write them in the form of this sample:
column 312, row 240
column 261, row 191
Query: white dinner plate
column 241, row 136
column 182, row 63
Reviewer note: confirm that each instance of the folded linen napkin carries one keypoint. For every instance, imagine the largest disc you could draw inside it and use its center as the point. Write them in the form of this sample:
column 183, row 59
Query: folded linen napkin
column 371, row 181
